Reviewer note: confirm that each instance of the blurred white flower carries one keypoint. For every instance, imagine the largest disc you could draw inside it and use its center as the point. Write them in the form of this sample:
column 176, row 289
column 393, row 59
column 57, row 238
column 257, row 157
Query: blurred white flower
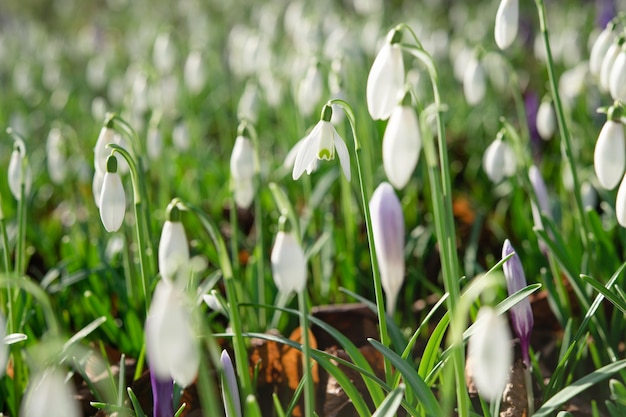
column 288, row 263
column 385, row 82
column 242, row 171
column 154, row 142
column 546, row 120
column 388, row 232
column 310, row 90
column 102, row 152
column 490, row 353
column 112, row 198
column 55, row 156
column 474, row 82
column 164, row 53
column 194, row 74
column 620, row 203
column 609, row 157
column 49, row 396
column 600, row 48
column 180, row 137
column 506, row 23
column 607, row 66
column 589, row 196
column 402, row 143
column 248, row 107
column 174, row 251
column 617, row 77
column 499, row 160
column 19, row 173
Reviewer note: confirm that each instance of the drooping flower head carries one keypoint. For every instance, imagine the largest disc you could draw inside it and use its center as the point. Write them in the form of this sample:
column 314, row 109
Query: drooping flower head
column 288, row 262
column 48, row 395
column 173, row 249
column 507, row 20
column 112, row 198
column 385, row 82
column 19, row 173
column 609, row 156
column 499, row 160
column 600, row 48
column 242, row 170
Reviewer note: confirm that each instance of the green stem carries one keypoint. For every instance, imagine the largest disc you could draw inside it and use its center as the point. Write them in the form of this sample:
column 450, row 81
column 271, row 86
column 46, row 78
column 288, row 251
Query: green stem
column 378, row 288
column 309, row 387
column 566, row 142
column 441, row 193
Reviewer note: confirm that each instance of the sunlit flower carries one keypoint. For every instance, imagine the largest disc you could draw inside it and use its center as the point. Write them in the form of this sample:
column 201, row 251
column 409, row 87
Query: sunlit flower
column 600, row 48
column 617, row 77
column 388, row 232
column 19, row 173
column 320, row 144
column 474, row 82
column 521, row 313
column 112, row 198
column 310, row 90
column 506, row 23
column 173, row 249
column 607, row 64
column 499, row 160
column 49, row 396
column 546, row 120
column 194, row 72
column 490, row 353
column 402, row 143
column 170, row 340
column 230, row 390
column 609, row 156
column 385, row 82
column 288, row 263
column 242, row 171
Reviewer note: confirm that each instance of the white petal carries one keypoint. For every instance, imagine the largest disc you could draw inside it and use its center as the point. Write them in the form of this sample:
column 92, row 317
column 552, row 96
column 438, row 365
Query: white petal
column 242, row 159
column 546, row 120
column 173, row 252
column 344, row 156
column 506, row 23
column 49, row 396
column 607, row 66
column 244, row 193
column 609, row 157
column 310, row 91
column 385, row 82
column 101, row 152
column 112, row 202
column 402, row 143
column 307, row 153
column 620, row 204
column 474, row 83
column 495, row 161
column 599, row 50
column 288, row 264
column 96, row 186
column 617, row 78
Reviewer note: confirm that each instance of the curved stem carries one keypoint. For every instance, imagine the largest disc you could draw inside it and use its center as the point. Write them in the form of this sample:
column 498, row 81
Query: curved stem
column 378, row 289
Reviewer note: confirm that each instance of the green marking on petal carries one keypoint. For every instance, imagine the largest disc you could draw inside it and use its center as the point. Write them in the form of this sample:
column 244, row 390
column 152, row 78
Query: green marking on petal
column 326, row 154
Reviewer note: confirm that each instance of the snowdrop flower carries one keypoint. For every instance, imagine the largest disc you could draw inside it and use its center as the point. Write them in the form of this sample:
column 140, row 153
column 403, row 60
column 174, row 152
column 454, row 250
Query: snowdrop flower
column 388, row 232
column 310, row 90
column 617, row 77
column 609, row 156
column 507, row 18
column 521, row 314
column 620, row 203
column 499, row 160
column 600, row 48
column 490, row 353
column 607, row 64
column 173, row 249
column 230, row 390
column 402, row 143
column 385, row 82
column 49, row 396
column 474, row 82
column 102, row 151
column 154, row 142
column 180, row 137
column 546, row 120
column 290, row 159
column 248, row 106
column 170, row 341
column 288, row 263
column 194, row 74
column 164, row 53
column 112, row 198
column 19, row 173
column 242, row 171
column 56, row 161
column 320, row 144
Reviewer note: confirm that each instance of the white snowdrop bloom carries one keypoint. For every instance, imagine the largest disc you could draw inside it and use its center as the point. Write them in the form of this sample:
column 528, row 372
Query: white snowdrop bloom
column 474, row 82
column 499, row 160
column 507, row 18
column 385, row 82
column 320, row 144
column 112, row 198
column 19, row 172
column 609, row 157
column 164, row 53
column 546, row 120
column 290, row 159
column 388, row 232
column 180, row 137
column 588, row 195
column 490, row 353
column 600, row 49
column 96, row 186
column 55, row 157
column 607, row 66
column 194, row 74
column 242, row 171
column 102, row 152
column 402, row 143
column 620, row 203
column 154, row 142
column 288, row 263
column 171, row 343
column 617, row 77
column 248, row 106
column 173, row 250
column 48, row 395
column 310, row 90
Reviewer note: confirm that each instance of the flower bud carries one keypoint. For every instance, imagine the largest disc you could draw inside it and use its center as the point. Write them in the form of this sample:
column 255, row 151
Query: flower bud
column 310, row 90
column 230, row 390
column 607, row 66
column 288, row 264
column 490, row 354
column 242, row 171
column 388, row 232
column 402, row 143
column 506, row 23
column 617, row 77
column 112, row 198
column 546, row 120
column 55, row 157
column 521, row 313
column 474, row 82
column 609, row 156
column 385, row 82
column 499, row 160
column 599, row 50
column 174, row 252
column 49, row 396
column 19, row 171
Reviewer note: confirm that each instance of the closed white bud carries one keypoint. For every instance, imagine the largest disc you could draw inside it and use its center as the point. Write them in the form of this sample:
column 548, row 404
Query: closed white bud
column 101, row 152
column 194, row 72
column 506, row 23
column 173, row 253
column 385, row 82
column 546, row 120
column 55, row 157
column 310, row 90
column 474, row 82
column 599, row 50
column 112, row 201
column 19, row 171
column 607, row 66
column 490, row 353
column 49, row 396
column 609, row 157
column 499, row 160
column 180, row 137
column 617, row 77
column 388, row 232
column 620, row 204
column 402, row 143
column 242, row 171
column 288, row 264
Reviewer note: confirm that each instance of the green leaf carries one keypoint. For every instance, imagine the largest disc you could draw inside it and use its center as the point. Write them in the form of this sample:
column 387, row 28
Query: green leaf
column 252, row 407
column 608, row 294
column 84, row 332
column 135, row 402
column 391, row 403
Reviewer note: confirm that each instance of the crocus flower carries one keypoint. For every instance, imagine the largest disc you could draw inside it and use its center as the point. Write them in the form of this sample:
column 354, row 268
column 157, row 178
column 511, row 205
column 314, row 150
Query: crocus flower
column 49, row 396
column 173, row 249
column 112, row 198
column 490, row 353
column 19, row 171
column 609, row 156
column 600, row 48
column 288, row 263
column 474, row 82
column 385, row 82
column 162, row 391
column 506, row 23
column 521, row 313
column 320, row 144
column 499, row 160
column 230, row 390
column 546, row 120
column 242, row 171
column 402, row 143
column 388, row 232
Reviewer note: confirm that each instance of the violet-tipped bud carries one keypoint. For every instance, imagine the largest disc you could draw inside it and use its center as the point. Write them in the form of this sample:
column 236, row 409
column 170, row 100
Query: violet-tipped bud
column 521, row 313
column 230, row 390
column 388, row 231
column 288, row 263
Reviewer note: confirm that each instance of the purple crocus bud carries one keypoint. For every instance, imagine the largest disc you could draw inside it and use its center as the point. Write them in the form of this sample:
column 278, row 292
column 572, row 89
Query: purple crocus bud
column 521, row 313
column 388, row 232
column 230, row 391
column 162, row 391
